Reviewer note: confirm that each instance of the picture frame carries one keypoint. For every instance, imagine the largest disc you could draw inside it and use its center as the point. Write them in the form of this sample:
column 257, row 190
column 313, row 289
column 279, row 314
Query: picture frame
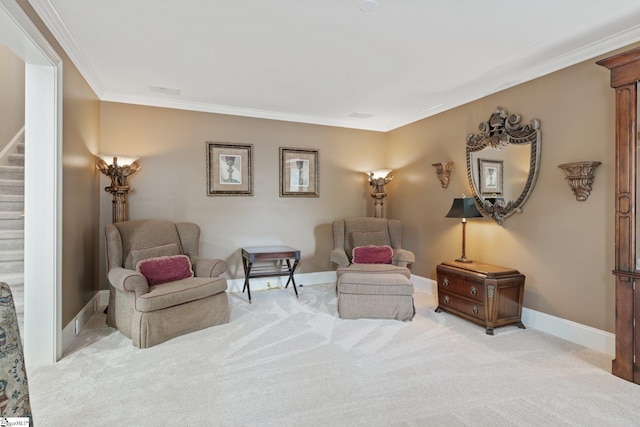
column 299, row 172
column 490, row 176
column 229, row 169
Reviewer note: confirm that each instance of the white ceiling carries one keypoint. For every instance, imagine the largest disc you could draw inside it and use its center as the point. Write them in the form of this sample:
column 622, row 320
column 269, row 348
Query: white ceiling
column 321, row 61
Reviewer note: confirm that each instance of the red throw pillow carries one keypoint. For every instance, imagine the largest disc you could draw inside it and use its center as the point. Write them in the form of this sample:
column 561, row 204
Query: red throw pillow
column 371, row 254
column 165, row 269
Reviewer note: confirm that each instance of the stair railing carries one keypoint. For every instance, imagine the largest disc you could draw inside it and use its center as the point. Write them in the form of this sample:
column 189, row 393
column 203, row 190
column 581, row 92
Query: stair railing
column 7, row 148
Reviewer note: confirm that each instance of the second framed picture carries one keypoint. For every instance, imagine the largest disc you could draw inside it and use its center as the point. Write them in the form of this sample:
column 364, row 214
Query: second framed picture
column 299, row 172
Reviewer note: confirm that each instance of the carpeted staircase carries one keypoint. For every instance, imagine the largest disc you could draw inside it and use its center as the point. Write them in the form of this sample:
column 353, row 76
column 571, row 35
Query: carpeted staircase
column 12, row 226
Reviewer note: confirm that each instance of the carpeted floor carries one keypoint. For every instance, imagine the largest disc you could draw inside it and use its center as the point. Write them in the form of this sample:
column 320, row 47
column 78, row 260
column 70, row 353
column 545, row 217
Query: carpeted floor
column 287, row 362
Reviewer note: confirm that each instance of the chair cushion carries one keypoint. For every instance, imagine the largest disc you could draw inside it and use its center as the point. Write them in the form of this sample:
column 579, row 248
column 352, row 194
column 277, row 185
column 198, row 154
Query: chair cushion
column 179, row 292
column 375, row 284
column 146, row 233
column 140, row 254
column 374, row 269
column 368, row 238
column 372, row 254
column 165, row 269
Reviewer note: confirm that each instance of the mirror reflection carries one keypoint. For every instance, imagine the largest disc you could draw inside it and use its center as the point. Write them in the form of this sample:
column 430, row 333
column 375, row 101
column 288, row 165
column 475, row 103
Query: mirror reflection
column 502, row 164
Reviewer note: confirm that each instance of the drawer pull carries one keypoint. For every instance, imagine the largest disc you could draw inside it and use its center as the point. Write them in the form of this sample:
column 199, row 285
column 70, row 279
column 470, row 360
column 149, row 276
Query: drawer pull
column 474, row 310
column 446, row 299
column 445, row 282
column 474, row 290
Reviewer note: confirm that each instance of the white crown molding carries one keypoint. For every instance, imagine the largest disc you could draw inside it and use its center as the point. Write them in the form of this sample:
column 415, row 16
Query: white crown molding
column 602, row 46
column 52, row 20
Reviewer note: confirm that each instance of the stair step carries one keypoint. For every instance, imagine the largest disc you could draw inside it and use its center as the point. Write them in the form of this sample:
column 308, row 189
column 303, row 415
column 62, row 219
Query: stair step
column 11, row 223
column 16, row 159
column 9, row 242
column 7, row 267
column 11, row 187
column 12, row 172
column 13, row 279
column 10, row 256
column 11, row 203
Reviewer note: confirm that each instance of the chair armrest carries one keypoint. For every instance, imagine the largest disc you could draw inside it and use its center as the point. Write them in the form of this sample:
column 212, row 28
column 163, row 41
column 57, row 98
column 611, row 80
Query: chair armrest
column 207, row 267
column 339, row 256
column 403, row 257
column 128, row 280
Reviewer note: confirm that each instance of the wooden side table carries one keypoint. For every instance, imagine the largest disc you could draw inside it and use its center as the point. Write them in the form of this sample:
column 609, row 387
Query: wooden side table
column 253, row 254
column 486, row 294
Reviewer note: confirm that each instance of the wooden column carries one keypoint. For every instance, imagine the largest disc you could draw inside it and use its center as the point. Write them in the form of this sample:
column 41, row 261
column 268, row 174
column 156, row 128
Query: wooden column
column 625, row 74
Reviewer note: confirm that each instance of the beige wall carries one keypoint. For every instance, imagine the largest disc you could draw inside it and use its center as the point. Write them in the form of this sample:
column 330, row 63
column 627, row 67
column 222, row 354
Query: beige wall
column 172, row 181
column 11, row 95
column 80, row 210
column 564, row 247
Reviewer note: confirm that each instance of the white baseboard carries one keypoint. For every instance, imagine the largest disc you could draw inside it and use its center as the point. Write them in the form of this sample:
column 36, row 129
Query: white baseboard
column 73, row 328
column 592, row 338
column 595, row 339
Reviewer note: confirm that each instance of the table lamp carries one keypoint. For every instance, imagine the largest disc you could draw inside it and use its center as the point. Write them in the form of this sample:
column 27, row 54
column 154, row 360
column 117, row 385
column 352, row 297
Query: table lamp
column 463, row 208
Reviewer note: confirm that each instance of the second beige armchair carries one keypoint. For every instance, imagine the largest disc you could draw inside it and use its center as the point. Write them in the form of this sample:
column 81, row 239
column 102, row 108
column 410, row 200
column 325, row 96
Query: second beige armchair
column 373, row 278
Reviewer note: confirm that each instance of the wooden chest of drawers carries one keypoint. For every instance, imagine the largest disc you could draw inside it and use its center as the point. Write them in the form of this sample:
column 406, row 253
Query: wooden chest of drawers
column 486, row 294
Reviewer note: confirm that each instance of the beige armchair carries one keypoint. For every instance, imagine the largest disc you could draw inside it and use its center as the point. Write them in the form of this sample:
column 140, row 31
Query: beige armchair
column 153, row 313
column 372, row 290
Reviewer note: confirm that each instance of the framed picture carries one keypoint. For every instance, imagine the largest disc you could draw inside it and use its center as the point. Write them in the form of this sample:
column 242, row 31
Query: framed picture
column 490, row 174
column 298, row 172
column 229, row 169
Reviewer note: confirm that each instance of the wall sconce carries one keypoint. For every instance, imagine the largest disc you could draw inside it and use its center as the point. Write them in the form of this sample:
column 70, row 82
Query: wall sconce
column 119, row 187
column 444, row 172
column 580, row 176
column 378, row 179
column 464, row 208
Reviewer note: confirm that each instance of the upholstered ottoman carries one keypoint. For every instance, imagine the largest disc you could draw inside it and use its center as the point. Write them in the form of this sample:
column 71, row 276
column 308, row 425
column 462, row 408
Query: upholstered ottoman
column 375, row 296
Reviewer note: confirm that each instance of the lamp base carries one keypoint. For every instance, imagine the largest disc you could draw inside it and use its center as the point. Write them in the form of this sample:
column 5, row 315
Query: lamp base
column 464, row 259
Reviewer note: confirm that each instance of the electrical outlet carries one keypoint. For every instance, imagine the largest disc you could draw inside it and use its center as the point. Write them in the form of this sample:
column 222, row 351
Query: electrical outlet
column 95, row 305
column 268, row 284
column 77, row 326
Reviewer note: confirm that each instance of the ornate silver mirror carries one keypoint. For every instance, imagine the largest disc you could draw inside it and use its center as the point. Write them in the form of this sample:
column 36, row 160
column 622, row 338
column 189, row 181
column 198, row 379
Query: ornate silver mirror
column 502, row 164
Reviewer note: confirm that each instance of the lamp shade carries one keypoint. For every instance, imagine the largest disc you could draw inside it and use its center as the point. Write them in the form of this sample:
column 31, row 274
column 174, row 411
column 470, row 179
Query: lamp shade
column 379, row 173
column 122, row 160
column 463, row 208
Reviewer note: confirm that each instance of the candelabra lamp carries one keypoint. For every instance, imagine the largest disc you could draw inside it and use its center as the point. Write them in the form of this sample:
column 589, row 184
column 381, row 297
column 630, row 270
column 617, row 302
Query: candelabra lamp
column 464, row 208
column 119, row 187
column 378, row 179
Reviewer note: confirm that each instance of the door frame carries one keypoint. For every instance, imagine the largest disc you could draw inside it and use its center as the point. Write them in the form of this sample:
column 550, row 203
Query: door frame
column 43, row 185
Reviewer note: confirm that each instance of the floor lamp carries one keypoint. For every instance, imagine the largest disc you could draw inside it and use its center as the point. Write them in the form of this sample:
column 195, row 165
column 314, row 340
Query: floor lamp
column 378, row 179
column 463, row 208
column 119, row 187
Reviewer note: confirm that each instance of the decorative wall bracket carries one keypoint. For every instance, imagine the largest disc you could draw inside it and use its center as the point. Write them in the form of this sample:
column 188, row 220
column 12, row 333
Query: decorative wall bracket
column 444, row 172
column 580, row 176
